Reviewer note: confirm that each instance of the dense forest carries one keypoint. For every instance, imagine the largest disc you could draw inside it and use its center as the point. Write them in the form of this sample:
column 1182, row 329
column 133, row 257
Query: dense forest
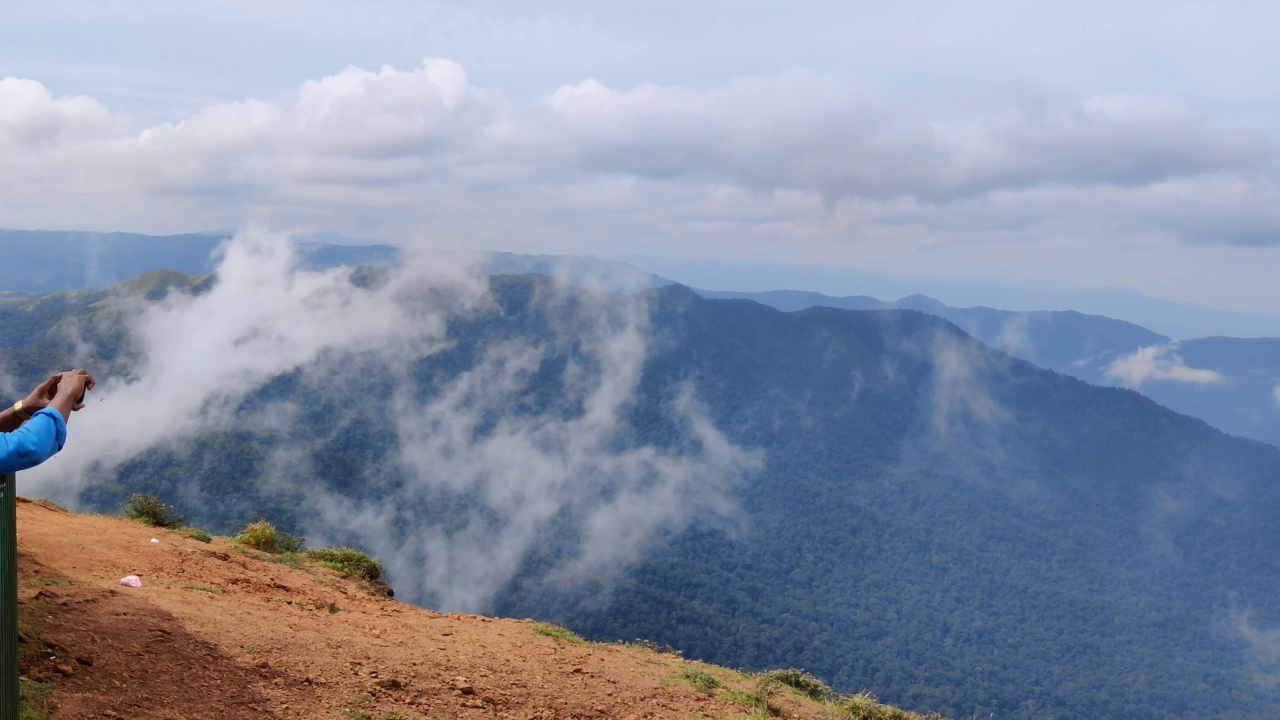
column 932, row 520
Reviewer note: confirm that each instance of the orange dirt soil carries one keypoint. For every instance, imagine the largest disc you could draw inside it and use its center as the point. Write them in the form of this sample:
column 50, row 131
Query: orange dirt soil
column 216, row 633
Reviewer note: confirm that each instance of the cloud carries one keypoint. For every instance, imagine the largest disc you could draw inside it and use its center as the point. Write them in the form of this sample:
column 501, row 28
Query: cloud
column 959, row 391
column 1276, row 392
column 32, row 120
column 796, row 131
column 513, row 472
column 427, row 150
column 1158, row 362
column 355, row 129
column 1263, row 646
column 1015, row 337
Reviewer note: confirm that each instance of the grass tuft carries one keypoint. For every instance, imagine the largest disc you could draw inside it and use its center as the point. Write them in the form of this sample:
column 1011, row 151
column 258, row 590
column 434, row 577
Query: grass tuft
column 194, row 533
column 288, row 559
column 803, row 681
column 150, row 510
column 701, row 679
column 759, row 697
column 864, row 706
column 353, row 563
column 264, row 536
column 32, row 703
column 559, row 632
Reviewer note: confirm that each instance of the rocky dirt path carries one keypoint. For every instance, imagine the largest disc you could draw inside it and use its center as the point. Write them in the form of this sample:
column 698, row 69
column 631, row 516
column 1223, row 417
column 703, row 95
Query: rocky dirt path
column 216, row 633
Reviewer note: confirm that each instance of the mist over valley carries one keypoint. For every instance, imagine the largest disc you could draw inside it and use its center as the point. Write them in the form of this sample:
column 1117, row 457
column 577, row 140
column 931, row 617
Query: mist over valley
column 874, row 495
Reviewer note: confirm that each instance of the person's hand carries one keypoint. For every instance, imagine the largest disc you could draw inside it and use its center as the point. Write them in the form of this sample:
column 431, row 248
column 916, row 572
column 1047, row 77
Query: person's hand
column 72, row 385
column 43, row 394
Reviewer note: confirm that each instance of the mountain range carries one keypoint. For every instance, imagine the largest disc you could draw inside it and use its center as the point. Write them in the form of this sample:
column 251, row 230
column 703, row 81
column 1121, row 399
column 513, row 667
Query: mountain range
column 34, row 262
column 914, row 513
column 1232, row 383
column 1183, row 320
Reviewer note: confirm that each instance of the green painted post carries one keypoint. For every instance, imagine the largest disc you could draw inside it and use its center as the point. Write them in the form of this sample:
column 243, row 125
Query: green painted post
column 8, row 598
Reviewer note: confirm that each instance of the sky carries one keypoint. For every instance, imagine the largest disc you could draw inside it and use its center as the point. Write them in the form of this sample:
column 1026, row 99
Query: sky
column 1045, row 145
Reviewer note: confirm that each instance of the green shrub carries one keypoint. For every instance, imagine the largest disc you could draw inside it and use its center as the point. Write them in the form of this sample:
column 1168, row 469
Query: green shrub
column 150, row 510
column 864, row 706
column 559, row 632
column 803, row 681
column 701, row 679
column 264, row 536
column 353, row 563
column 194, row 534
column 758, row 698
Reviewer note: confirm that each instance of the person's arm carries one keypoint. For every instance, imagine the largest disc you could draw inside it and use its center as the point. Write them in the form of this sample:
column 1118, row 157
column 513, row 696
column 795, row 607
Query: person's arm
column 30, row 441
column 37, row 400
column 9, row 420
column 36, row 441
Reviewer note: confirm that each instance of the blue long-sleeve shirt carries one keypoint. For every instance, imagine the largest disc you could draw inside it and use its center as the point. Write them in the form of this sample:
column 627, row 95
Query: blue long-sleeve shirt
column 36, row 441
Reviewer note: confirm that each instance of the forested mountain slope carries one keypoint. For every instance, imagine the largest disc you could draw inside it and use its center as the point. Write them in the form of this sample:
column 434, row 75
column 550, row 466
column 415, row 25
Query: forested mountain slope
column 1232, row 383
column 917, row 514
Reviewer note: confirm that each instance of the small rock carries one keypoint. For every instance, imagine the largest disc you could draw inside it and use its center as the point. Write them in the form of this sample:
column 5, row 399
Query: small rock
column 463, row 686
column 390, row 684
column 66, row 670
column 262, row 664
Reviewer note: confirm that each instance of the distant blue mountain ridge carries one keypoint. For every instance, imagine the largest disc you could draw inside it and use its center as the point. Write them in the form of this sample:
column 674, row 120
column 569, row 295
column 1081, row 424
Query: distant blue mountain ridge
column 1176, row 319
column 35, row 262
column 1231, row 383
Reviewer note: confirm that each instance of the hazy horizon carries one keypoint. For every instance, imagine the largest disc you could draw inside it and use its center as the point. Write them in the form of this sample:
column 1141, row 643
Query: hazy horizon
column 1106, row 147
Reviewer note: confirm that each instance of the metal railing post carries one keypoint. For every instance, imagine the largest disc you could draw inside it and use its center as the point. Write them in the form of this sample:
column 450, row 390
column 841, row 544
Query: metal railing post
column 8, row 598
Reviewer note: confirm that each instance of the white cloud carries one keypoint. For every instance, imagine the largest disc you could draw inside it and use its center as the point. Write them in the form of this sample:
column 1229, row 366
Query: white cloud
column 1263, row 646
column 1276, row 392
column 1158, row 362
column 515, row 473
column 32, row 120
column 796, row 131
column 959, row 389
column 792, row 164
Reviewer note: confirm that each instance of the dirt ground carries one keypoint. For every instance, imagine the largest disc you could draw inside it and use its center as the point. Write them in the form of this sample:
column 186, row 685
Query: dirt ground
column 216, row 633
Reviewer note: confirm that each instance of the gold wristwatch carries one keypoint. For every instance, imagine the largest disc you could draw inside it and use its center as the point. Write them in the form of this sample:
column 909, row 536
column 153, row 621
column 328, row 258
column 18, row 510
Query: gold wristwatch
column 20, row 409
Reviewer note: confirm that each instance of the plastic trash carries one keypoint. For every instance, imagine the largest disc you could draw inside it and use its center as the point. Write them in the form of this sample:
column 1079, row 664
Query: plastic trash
column 154, row 540
column 132, row 581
